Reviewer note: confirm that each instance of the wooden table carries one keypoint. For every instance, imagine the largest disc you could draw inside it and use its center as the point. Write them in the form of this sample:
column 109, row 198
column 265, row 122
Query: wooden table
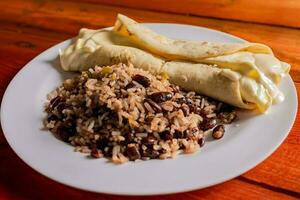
column 30, row 26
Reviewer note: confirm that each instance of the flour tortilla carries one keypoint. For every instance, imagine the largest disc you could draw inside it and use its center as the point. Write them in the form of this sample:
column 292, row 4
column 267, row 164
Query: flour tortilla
column 104, row 47
column 108, row 49
column 171, row 49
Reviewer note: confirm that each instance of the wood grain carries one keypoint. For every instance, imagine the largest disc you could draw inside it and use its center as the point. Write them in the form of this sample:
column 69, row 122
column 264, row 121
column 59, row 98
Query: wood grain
column 68, row 18
column 285, row 13
column 29, row 27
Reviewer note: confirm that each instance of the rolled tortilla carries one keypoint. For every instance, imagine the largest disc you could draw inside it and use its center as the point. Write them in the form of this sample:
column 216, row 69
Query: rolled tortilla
column 222, row 84
column 263, row 68
column 168, row 48
column 104, row 47
column 252, row 60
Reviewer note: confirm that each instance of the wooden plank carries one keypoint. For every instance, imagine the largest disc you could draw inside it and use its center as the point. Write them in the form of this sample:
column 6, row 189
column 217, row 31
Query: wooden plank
column 285, row 13
column 25, row 35
column 16, row 175
column 20, row 44
column 68, row 18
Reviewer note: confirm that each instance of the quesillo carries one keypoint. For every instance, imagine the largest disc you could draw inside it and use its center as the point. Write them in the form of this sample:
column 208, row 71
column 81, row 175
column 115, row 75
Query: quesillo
column 253, row 60
column 179, row 49
column 244, row 75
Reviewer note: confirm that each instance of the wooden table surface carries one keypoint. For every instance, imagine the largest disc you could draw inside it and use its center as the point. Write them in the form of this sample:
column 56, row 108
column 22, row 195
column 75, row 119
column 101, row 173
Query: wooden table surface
column 27, row 27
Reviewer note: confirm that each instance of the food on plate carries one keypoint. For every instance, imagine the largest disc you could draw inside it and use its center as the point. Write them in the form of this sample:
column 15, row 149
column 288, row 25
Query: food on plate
column 252, row 60
column 127, row 104
column 222, row 84
column 218, row 83
column 179, row 49
column 245, row 75
column 125, row 113
column 246, row 58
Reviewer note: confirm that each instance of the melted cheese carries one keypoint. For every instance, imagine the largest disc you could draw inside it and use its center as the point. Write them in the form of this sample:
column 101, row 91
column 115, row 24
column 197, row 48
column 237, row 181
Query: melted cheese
column 265, row 69
column 259, row 73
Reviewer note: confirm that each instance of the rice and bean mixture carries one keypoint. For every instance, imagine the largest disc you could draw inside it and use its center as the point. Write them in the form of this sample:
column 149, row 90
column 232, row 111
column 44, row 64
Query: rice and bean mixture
column 124, row 113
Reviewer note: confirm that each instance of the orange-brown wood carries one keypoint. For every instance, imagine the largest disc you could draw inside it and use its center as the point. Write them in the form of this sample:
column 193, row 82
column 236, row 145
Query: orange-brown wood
column 29, row 27
column 67, row 18
column 285, row 13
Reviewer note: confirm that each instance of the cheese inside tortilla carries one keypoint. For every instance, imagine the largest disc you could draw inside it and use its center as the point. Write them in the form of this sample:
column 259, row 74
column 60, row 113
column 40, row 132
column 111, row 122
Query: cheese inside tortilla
column 179, row 49
column 263, row 68
column 245, row 75
column 104, row 47
column 252, row 60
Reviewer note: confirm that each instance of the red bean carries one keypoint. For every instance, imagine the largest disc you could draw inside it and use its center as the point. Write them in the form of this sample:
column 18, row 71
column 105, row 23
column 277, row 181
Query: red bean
column 160, row 97
column 143, row 80
column 150, row 140
column 166, row 135
column 133, row 153
column 178, row 134
column 218, row 132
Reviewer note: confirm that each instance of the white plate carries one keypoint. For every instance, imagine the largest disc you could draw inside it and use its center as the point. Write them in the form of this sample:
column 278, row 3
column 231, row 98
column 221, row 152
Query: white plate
column 242, row 148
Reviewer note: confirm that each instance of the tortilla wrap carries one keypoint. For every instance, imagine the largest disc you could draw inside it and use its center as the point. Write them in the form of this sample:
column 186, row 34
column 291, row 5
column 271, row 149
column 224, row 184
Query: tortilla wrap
column 222, row 84
column 179, row 49
column 252, row 60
